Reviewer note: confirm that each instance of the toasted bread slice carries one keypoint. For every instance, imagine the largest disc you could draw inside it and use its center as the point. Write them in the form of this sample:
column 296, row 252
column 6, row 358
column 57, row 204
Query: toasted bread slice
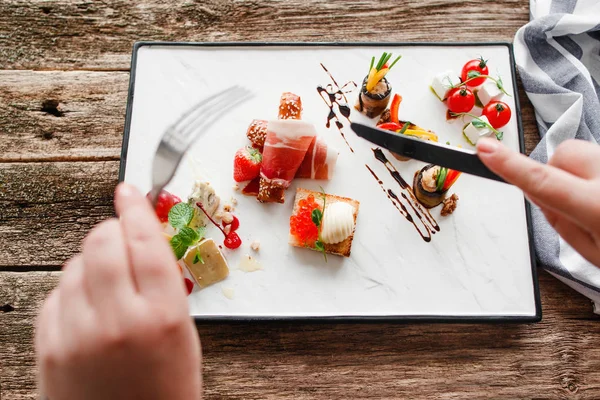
column 257, row 133
column 290, row 106
column 343, row 248
column 270, row 191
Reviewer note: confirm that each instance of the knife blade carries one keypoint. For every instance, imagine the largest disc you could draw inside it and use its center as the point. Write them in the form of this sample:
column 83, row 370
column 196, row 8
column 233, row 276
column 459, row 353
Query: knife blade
column 430, row 152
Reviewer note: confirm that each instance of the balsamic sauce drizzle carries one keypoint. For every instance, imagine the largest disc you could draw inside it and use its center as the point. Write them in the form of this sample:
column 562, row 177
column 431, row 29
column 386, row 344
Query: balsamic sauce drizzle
column 401, row 207
column 333, row 94
column 421, row 212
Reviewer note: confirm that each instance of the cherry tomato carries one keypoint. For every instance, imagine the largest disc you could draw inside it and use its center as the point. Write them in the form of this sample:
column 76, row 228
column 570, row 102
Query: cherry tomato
column 189, row 285
column 498, row 113
column 461, row 100
column 164, row 203
column 232, row 241
column 235, row 223
column 479, row 65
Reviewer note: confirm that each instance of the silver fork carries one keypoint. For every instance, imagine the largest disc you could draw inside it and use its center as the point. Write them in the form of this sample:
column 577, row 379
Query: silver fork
column 186, row 130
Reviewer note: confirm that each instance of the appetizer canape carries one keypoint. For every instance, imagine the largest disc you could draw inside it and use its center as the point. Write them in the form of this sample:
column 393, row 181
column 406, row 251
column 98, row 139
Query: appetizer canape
column 206, row 263
column 285, row 147
column 480, row 127
column 431, row 184
column 389, row 121
column 376, row 91
column 323, row 222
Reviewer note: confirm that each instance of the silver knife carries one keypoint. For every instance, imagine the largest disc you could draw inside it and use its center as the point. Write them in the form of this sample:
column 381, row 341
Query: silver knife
column 430, row 152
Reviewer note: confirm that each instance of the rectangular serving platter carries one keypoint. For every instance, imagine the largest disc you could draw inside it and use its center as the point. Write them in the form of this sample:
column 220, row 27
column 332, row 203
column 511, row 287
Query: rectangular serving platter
column 480, row 267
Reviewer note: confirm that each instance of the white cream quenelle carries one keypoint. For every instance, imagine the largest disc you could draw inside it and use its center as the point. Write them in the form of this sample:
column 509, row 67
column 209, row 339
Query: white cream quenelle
column 338, row 222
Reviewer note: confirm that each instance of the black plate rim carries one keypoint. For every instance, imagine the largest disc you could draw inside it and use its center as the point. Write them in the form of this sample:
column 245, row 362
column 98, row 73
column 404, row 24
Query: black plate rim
column 349, row 318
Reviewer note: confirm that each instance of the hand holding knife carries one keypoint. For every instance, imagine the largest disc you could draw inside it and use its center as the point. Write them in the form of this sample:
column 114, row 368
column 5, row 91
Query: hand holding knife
column 426, row 151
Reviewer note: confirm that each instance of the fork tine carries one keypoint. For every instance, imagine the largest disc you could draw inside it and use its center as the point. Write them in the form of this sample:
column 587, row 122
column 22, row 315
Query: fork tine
column 209, row 116
column 205, row 104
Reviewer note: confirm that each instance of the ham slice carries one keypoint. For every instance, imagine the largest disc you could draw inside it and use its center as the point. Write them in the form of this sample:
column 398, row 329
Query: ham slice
column 286, row 144
column 319, row 161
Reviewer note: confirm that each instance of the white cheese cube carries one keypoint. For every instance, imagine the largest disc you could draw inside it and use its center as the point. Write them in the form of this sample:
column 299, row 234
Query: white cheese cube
column 442, row 83
column 473, row 133
column 489, row 92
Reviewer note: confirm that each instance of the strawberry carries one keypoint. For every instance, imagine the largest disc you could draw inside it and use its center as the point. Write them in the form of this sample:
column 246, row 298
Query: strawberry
column 246, row 164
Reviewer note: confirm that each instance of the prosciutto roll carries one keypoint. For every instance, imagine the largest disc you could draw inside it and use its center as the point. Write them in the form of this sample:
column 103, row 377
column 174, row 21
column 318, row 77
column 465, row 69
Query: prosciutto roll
column 319, row 161
column 286, row 144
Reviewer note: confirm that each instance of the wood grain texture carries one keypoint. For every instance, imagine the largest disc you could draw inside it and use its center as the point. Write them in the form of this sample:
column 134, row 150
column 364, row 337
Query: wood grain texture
column 84, row 34
column 557, row 358
column 54, row 116
column 47, row 208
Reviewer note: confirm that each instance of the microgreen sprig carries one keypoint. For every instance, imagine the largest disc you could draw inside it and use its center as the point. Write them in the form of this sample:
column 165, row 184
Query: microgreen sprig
column 317, row 219
column 476, row 74
column 479, row 123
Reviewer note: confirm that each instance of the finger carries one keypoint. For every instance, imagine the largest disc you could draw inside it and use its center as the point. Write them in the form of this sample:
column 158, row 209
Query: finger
column 75, row 311
column 579, row 157
column 47, row 331
column 551, row 186
column 107, row 274
column 574, row 235
column 150, row 256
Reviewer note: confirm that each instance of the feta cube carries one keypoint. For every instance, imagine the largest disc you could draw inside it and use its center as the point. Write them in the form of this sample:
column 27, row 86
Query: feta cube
column 472, row 133
column 442, row 83
column 489, row 92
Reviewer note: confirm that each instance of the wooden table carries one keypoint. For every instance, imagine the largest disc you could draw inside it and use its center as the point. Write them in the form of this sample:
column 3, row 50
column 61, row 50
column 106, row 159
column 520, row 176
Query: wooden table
column 63, row 84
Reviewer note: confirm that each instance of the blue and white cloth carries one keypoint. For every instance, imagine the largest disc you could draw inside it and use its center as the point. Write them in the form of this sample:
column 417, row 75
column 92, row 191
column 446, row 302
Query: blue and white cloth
column 558, row 58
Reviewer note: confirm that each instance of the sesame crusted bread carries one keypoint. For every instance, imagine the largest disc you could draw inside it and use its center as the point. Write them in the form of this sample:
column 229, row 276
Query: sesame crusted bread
column 257, row 133
column 290, row 106
column 270, row 191
column 343, row 248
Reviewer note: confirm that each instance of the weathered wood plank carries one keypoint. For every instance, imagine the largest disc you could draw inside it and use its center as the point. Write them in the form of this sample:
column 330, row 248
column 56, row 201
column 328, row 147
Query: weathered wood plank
column 47, row 208
column 79, row 115
column 61, row 115
column 557, row 358
column 84, row 34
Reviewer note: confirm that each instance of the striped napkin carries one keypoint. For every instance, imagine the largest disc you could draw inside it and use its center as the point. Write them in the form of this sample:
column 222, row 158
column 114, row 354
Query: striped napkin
column 558, row 58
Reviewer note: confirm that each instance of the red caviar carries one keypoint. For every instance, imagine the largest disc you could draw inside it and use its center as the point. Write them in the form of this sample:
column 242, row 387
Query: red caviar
column 301, row 223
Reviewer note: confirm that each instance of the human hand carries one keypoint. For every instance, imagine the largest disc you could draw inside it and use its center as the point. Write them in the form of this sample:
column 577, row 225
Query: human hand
column 117, row 326
column 567, row 190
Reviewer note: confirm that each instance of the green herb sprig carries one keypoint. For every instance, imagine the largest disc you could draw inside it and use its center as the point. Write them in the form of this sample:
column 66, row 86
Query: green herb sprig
column 317, row 219
column 476, row 74
column 479, row 123
column 180, row 217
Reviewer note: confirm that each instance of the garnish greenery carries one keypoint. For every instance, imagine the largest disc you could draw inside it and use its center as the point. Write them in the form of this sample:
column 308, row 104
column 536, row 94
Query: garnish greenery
column 441, row 178
column 198, row 258
column 317, row 219
column 405, row 127
column 180, row 217
column 476, row 74
column 479, row 123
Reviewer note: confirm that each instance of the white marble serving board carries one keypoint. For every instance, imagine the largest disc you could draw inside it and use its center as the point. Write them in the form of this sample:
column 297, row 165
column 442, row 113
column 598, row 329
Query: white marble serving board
column 477, row 266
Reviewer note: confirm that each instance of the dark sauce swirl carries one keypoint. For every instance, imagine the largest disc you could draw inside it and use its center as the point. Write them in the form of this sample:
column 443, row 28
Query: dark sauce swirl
column 333, row 95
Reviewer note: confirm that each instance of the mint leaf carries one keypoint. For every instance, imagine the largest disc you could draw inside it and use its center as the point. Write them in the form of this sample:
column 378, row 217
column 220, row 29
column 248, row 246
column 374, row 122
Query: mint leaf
column 201, row 231
column 188, row 236
column 180, row 215
column 317, row 217
column 473, row 74
column 178, row 246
